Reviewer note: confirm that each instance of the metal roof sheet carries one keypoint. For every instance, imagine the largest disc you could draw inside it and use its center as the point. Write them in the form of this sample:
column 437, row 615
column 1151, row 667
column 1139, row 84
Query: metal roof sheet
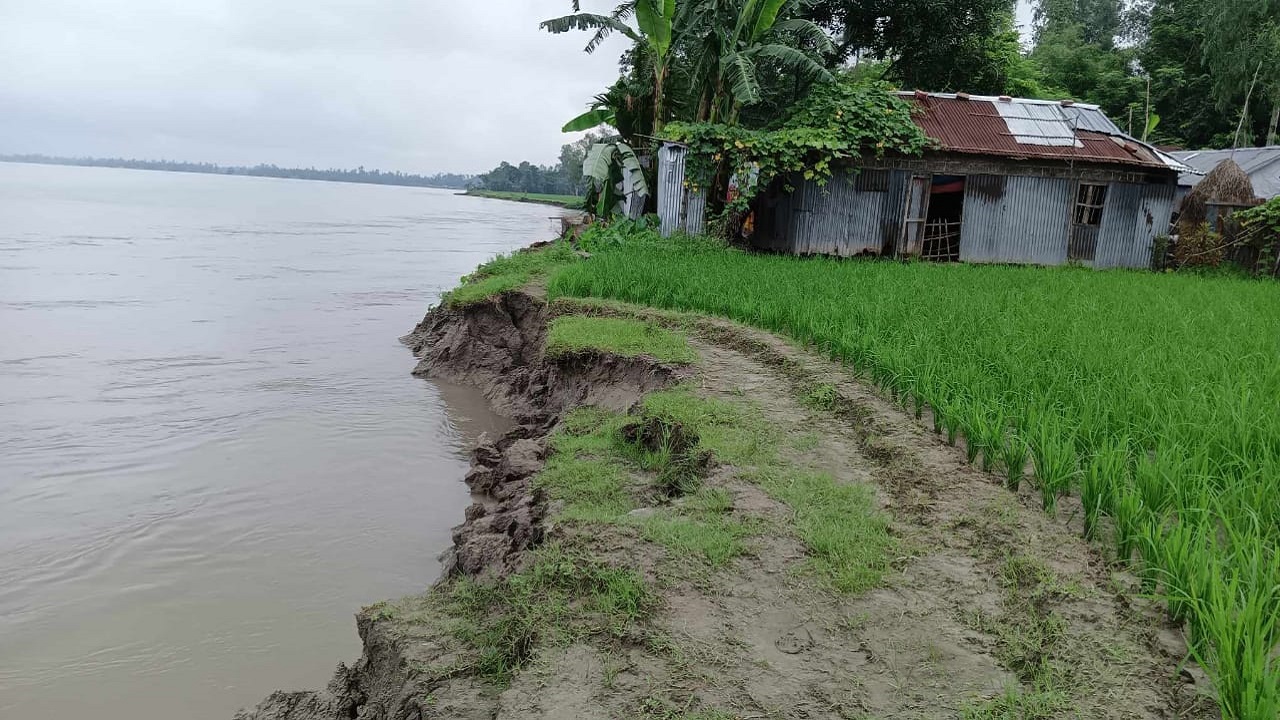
column 1262, row 164
column 1022, row 128
column 1037, row 124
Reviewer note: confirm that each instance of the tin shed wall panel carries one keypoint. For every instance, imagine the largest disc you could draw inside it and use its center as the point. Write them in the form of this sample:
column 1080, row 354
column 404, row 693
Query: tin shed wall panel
column 671, row 163
column 1014, row 219
column 895, row 211
column 695, row 212
column 838, row 218
column 679, row 209
column 1134, row 215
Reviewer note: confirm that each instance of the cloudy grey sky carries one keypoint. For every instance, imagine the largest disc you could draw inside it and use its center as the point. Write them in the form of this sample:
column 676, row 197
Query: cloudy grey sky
column 413, row 85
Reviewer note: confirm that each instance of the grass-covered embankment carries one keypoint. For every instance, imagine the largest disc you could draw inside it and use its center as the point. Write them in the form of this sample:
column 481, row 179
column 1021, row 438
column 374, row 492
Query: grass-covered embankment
column 572, row 202
column 509, row 272
column 1154, row 397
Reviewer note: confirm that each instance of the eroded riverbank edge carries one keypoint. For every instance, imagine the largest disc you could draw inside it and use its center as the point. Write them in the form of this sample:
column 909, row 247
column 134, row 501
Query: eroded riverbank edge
column 989, row 607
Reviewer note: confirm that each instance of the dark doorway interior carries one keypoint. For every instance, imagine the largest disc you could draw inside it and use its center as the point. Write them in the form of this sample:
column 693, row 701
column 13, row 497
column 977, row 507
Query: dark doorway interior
column 942, row 227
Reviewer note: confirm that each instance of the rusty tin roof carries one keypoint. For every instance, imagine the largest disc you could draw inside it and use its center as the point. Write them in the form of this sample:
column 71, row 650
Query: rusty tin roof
column 1021, row 128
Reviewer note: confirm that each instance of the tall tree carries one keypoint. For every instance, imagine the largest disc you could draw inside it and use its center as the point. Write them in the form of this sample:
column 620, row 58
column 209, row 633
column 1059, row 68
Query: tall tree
column 737, row 46
column 1098, row 20
column 928, row 44
column 1170, row 37
column 1088, row 71
column 1242, row 52
column 657, row 24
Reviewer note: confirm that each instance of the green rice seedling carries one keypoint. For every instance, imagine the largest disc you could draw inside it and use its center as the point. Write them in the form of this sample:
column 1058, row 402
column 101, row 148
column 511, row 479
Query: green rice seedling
column 1053, row 455
column 951, row 421
column 1151, row 478
column 1150, row 538
column 1185, row 557
column 991, row 438
column 1107, row 467
column 1127, row 511
column 1014, row 456
column 1237, row 627
column 972, row 449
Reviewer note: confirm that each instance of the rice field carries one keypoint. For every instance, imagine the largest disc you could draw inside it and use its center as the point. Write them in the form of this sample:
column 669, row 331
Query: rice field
column 1153, row 398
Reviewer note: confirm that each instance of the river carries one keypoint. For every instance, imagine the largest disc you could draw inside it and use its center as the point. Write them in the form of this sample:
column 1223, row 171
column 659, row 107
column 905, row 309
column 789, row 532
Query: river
column 211, row 450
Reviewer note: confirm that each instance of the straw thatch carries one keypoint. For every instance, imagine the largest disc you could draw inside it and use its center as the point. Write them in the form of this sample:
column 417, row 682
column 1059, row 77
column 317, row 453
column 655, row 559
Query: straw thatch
column 1227, row 183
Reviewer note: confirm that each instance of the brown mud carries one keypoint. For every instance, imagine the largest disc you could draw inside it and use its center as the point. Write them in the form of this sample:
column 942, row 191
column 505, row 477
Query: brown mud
column 991, row 609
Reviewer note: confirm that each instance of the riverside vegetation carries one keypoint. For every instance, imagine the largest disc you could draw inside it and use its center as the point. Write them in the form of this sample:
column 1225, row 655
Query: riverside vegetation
column 1151, row 398
column 573, row 202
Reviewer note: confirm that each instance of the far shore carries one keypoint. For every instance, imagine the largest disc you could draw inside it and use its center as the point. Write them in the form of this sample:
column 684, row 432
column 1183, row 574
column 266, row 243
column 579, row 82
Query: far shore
column 572, row 202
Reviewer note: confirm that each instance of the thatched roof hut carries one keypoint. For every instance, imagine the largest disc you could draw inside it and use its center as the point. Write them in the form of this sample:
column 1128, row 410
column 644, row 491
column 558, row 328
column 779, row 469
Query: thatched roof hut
column 1226, row 184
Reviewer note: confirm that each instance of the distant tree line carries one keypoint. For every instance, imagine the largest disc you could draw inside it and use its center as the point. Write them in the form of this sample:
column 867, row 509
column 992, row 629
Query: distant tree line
column 563, row 178
column 359, row 175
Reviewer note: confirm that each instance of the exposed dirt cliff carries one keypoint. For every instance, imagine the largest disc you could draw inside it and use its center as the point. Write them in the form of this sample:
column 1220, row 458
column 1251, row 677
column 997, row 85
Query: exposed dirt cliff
column 496, row 346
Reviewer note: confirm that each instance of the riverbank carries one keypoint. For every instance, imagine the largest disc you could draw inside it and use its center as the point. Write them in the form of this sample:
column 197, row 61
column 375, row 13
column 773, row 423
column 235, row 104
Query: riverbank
column 698, row 519
column 571, row 202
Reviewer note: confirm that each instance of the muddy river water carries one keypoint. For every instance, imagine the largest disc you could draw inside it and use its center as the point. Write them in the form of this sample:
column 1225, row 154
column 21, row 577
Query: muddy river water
column 211, row 450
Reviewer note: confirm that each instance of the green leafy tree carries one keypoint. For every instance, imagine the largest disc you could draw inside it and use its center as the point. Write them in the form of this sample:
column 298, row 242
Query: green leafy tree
column 736, row 47
column 1099, row 21
column 1242, row 52
column 1088, row 71
column 657, row 23
column 1170, row 37
column 928, row 44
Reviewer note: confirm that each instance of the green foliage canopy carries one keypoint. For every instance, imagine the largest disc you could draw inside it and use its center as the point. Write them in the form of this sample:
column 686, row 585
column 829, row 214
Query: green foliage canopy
column 838, row 121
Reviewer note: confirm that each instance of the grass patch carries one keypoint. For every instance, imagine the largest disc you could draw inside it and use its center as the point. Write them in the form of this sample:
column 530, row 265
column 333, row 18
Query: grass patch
column 620, row 336
column 510, row 272
column 731, row 431
column 847, row 535
column 1018, row 704
column 821, row 397
column 716, row 539
column 562, row 597
column 573, row 202
column 585, row 471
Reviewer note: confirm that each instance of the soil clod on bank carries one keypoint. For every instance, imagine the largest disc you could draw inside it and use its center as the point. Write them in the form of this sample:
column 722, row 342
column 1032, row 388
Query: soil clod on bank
column 731, row 527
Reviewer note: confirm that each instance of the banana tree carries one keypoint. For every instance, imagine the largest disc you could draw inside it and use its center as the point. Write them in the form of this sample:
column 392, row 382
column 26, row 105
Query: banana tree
column 600, row 113
column 617, row 186
column 656, row 28
column 737, row 36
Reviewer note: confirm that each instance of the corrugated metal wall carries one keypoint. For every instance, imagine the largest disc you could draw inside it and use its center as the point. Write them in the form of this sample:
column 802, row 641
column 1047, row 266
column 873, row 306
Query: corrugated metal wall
column 670, row 187
column 1015, row 219
column 1134, row 215
column 695, row 212
column 679, row 209
column 848, row 216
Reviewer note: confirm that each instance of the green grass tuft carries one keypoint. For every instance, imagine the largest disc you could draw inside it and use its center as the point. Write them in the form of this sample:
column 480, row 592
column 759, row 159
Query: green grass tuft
column 1018, row 704
column 505, row 273
column 620, row 336
column 717, row 539
column 563, row 596
column 847, row 535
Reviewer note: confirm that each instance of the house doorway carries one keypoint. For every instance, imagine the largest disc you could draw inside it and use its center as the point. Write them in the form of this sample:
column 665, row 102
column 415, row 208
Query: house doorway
column 943, row 220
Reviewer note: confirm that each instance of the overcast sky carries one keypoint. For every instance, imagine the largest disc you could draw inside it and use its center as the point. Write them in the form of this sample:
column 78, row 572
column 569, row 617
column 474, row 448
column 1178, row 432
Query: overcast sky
column 412, row 85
